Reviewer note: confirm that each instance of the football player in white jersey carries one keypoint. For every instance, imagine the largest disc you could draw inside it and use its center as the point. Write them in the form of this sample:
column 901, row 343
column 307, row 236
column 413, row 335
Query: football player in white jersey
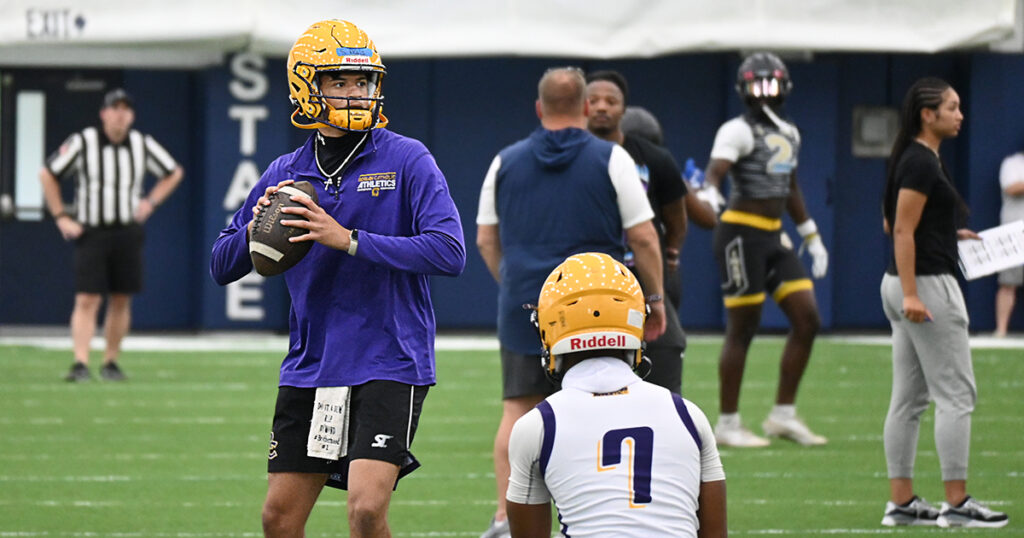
column 619, row 456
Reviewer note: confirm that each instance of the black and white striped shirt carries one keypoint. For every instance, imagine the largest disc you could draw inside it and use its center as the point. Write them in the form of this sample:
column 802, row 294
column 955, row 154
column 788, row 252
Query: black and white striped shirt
column 109, row 175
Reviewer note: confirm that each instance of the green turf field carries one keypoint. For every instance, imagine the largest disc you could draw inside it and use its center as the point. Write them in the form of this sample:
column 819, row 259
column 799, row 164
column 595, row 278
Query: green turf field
column 179, row 449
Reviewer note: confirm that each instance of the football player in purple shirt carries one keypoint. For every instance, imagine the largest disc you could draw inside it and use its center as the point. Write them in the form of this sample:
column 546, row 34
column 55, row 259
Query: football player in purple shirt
column 361, row 350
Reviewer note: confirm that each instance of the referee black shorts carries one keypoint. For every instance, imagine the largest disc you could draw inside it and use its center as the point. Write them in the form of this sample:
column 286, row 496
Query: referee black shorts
column 109, row 260
column 383, row 416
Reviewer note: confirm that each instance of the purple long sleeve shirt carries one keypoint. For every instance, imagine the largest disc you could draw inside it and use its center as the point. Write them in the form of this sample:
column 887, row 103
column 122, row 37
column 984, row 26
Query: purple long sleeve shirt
column 366, row 317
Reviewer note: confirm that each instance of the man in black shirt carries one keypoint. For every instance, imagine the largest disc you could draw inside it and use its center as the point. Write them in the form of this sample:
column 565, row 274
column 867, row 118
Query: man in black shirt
column 607, row 92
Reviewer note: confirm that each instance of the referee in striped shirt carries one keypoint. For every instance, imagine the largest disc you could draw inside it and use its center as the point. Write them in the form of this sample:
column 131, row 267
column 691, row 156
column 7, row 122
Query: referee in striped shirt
column 105, row 222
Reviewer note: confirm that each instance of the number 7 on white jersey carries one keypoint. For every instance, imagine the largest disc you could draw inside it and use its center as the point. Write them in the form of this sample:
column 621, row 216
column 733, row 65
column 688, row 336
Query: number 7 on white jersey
column 640, row 443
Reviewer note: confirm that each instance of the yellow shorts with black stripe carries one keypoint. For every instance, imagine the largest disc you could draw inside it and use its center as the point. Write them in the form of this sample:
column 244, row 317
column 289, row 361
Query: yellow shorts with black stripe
column 752, row 261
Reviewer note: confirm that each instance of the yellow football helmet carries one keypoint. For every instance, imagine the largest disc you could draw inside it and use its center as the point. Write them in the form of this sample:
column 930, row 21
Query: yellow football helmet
column 331, row 46
column 590, row 301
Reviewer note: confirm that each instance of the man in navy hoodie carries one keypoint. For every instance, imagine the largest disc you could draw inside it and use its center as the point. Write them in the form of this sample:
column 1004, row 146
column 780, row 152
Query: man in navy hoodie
column 558, row 192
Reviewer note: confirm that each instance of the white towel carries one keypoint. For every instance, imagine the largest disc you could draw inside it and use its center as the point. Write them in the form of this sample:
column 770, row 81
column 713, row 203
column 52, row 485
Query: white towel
column 328, row 429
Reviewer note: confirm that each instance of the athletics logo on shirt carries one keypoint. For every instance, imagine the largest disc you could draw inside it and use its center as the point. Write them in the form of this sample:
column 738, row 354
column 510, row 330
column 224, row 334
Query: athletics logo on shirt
column 374, row 183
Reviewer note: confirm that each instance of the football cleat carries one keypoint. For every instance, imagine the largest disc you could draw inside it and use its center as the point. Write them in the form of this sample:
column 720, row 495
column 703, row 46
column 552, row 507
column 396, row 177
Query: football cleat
column 738, row 436
column 792, row 428
column 497, row 529
column 78, row 373
column 111, row 372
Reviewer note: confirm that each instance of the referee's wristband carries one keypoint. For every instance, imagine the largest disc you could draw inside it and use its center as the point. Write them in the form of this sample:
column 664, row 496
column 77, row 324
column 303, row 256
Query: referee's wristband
column 60, row 215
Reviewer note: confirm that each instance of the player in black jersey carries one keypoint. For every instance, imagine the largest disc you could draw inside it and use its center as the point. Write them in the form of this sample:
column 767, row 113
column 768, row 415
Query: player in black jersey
column 759, row 151
column 607, row 92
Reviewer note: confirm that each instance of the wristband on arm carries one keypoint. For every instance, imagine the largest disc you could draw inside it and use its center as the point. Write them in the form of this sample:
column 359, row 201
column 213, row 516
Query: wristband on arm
column 807, row 228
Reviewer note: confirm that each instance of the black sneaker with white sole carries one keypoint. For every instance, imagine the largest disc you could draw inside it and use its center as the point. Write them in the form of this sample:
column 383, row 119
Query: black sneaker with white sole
column 971, row 513
column 916, row 511
column 111, row 372
column 79, row 373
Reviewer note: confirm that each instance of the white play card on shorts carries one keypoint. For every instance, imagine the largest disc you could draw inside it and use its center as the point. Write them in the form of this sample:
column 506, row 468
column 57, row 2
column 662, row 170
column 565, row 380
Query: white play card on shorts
column 328, row 429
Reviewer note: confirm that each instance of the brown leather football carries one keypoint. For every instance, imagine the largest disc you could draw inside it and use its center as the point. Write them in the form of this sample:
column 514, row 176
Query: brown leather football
column 271, row 251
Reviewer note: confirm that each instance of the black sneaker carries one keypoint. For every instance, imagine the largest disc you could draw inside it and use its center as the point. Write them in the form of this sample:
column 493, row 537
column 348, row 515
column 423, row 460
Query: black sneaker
column 915, row 512
column 971, row 513
column 111, row 372
column 79, row 373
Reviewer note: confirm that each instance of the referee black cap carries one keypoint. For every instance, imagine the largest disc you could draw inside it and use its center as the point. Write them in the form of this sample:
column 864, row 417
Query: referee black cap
column 118, row 95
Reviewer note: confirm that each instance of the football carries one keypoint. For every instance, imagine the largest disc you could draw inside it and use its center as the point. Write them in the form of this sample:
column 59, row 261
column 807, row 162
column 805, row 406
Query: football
column 271, row 251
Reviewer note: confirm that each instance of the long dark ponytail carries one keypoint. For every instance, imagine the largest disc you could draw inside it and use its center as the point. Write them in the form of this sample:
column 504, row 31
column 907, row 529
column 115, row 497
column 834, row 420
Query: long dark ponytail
column 925, row 93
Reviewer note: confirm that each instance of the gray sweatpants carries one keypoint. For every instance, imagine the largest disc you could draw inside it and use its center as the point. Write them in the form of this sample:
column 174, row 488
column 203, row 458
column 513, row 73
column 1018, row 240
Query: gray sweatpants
column 930, row 361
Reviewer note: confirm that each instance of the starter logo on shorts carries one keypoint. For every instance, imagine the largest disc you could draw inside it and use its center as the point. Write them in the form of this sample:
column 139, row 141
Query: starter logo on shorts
column 273, row 447
column 381, row 440
column 374, row 183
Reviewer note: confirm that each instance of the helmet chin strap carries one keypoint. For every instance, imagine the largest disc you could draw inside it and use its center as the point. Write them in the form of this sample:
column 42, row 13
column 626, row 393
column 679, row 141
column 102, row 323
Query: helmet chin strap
column 787, row 128
column 643, row 369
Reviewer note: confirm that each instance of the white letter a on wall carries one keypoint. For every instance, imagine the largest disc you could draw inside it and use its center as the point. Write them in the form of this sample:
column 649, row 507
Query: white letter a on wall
column 245, row 178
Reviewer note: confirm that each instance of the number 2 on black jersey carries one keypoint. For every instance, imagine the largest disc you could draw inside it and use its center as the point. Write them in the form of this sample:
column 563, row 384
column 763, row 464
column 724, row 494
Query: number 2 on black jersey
column 783, row 160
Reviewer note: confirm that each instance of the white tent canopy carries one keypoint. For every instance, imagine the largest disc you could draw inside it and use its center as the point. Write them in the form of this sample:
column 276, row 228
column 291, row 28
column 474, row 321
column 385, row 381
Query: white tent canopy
column 197, row 33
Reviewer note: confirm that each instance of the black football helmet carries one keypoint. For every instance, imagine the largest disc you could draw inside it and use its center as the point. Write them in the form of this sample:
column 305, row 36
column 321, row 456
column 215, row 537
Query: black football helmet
column 763, row 79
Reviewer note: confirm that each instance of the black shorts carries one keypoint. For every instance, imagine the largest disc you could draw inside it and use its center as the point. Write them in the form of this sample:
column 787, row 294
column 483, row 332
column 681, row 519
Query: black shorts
column 752, row 260
column 109, row 260
column 523, row 375
column 383, row 416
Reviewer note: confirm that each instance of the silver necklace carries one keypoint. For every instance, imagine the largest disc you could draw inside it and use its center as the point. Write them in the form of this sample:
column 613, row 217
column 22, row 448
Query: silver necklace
column 316, row 157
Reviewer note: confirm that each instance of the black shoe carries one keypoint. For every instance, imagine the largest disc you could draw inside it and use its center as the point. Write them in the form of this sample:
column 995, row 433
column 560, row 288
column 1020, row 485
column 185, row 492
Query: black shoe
column 111, row 372
column 79, row 373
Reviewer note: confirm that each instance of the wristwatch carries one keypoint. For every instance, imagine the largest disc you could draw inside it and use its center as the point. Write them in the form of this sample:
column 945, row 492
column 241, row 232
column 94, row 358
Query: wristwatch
column 353, row 242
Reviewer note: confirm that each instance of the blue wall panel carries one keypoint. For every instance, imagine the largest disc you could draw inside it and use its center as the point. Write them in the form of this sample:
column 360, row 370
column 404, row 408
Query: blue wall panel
column 996, row 120
column 164, row 100
column 859, row 248
column 465, row 110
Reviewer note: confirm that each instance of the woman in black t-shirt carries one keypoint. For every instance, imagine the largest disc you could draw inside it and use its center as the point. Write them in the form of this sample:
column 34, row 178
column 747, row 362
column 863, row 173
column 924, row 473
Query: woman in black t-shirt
column 931, row 355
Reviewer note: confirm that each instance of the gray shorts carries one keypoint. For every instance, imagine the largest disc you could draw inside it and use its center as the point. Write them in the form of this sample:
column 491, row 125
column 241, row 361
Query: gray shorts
column 1013, row 276
column 523, row 375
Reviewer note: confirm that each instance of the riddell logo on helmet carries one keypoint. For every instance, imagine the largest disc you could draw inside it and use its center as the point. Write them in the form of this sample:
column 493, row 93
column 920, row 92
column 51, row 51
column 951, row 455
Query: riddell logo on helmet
column 355, row 60
column 597, row 342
